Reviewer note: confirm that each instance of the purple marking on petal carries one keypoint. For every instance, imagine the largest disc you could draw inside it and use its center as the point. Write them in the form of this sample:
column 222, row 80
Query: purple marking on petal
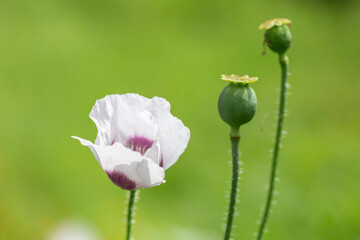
column 121, row 180
column 161, row 163
column 139, row 144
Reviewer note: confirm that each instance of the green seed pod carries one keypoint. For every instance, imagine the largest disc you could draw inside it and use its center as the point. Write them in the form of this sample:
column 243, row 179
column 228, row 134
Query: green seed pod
column 237, row 101
column 277, row 35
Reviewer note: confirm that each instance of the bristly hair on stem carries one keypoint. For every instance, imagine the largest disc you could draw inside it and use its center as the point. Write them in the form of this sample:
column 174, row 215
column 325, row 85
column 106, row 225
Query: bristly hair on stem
column 130, row 213
column 235, row 139
column 284, row 62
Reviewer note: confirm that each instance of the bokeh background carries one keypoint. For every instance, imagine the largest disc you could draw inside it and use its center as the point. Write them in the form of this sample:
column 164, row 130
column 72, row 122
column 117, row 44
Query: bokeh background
column 57, row 57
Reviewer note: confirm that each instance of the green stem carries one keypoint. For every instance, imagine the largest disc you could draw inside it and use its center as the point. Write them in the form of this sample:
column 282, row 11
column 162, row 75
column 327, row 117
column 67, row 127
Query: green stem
column 130, row 214
column 235, row 139
column 284, row 62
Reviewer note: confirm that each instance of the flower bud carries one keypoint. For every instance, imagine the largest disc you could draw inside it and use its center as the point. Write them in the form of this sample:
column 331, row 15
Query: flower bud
column 237, row 101
column 277, row 35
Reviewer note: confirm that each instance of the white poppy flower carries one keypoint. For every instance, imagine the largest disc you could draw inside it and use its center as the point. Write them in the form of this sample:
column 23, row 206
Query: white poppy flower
column 137, row 140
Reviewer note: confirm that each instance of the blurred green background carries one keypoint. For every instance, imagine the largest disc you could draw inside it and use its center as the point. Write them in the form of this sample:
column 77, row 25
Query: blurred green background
column 57, row 57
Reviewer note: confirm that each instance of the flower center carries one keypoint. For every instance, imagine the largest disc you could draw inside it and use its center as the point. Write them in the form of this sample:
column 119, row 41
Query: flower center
column 139, row 144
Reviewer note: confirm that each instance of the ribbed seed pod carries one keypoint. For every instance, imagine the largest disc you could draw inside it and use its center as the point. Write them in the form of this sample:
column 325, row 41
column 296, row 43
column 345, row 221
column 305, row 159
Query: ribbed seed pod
column 237, row 101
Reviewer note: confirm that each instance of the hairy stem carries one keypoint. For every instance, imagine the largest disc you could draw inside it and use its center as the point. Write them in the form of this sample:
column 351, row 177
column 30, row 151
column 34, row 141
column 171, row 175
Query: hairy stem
column 130, row 214
column 284, row 62
column 235, row 139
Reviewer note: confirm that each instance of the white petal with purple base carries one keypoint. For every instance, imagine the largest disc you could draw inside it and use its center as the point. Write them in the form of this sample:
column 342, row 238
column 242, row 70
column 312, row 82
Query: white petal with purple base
column 126, row 168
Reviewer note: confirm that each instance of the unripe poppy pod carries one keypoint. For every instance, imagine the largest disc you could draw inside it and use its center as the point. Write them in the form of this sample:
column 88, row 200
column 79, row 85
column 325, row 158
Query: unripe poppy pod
column 237, row 101
column 277, row 35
